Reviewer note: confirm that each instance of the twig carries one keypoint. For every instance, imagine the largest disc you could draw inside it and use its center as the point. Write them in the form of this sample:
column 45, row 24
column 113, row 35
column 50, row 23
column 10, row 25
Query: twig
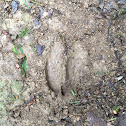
column 6, row 33
column 36, row 3
column 108, row 28
column 32, row 99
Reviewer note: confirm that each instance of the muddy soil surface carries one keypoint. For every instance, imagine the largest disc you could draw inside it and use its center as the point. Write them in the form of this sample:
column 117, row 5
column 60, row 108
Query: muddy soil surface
column 76, row 63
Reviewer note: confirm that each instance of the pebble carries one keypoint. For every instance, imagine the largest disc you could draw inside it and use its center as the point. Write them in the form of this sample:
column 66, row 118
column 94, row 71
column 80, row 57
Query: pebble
column 17, row 66
column 33, row 11
column 13, row 37
column 123, row 59
column 86, row 5
column 40, row 49
column 10, row 15
column 100, row 57
column 119, row 78
column 53, row 95
column 15, row 5
column 36, row 22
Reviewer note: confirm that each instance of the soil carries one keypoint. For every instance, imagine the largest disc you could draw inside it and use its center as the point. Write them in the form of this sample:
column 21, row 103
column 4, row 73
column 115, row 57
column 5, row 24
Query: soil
column 79, row 70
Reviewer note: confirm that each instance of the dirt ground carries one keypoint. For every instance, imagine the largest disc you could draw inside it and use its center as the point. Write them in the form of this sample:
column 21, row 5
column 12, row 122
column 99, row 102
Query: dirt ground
column 76, row 63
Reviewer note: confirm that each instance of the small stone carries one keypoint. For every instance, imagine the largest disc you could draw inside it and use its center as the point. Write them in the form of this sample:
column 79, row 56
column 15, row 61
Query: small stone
column 45, row 14
column 15, row 5
column 10, row 15
column 36, row 22
column 8, row 0
column 123, row 59
column 33, row 11
column 17, row 66
column 100, row 57
column 37, row 100
column 115, row 112
column 16, row 112
column 78, row 118
column 13, row 37
column 53, row 95
column 65, row 112
column 40, row 49
column 86, row 5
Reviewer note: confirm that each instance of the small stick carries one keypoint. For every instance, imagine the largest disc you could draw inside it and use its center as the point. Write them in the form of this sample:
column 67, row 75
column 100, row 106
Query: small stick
column 36, row 3
column 6, row 33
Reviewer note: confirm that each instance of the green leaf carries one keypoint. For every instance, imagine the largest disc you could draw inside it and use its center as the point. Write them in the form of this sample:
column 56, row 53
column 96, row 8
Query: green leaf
column 21, row 50
column 25, row 3
column 116, row 80
column 72, row 92
column 100, row 73
column 15, row 51
column 116, row 34
column 112, row 119
column 24, row 66
column 115, row 108
column 23, row 33
column 75, row 102
column 107, row 73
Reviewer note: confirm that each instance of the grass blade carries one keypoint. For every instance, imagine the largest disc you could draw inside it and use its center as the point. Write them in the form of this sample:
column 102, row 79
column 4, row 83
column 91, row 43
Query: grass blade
column 21, row 50
column 73, row 93
column 24, row 66
column 25, row 3
column 36, row 3
column 23, row 33
column 15, row 51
